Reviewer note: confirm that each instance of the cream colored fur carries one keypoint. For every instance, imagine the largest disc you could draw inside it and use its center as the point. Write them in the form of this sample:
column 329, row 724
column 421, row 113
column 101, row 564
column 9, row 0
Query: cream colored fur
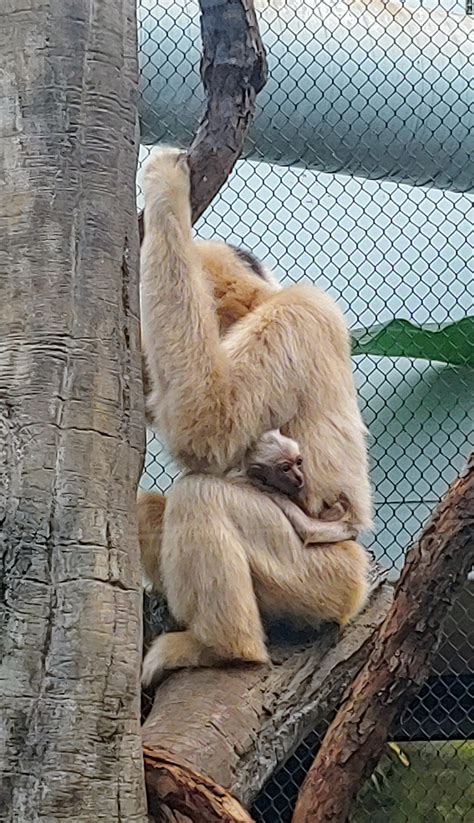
column 268, row 448
column 284, row 364
column 271, row 447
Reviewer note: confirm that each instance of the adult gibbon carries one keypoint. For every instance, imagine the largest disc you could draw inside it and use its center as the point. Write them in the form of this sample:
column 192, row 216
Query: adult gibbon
column 231, row 355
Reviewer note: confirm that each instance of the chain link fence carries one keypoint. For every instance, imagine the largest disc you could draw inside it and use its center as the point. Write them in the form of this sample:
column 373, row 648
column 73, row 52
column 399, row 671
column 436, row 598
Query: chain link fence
column 359, row 177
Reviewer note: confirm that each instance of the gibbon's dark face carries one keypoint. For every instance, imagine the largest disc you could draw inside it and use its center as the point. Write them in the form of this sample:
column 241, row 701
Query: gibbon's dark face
column 249, row 261
column 284, row 475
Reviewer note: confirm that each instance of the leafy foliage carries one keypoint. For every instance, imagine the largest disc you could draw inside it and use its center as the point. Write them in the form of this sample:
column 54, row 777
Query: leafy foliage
column 453, row 343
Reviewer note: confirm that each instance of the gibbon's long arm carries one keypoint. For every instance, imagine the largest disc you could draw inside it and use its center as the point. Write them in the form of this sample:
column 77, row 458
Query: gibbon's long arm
column 213, row 398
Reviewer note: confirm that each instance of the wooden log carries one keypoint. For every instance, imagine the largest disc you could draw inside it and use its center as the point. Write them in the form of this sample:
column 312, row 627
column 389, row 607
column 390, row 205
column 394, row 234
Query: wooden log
column 233, row 71
column 435, row 568
column 237, row 724
column 178, row 793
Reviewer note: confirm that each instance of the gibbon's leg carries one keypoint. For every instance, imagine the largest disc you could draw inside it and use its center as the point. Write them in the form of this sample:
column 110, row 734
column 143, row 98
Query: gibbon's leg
column 185, row 649
column 311, row 529
column 328, row 584
column 151, row 509
column 225, row 546
column 208, row 586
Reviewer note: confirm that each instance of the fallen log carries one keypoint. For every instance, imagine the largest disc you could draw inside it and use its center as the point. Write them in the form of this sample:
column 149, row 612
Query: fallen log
column 235, row 725
column 435, row 569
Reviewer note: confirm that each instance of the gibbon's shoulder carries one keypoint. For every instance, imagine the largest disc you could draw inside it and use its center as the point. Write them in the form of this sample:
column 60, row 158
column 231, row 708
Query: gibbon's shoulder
column 310, row 315
column 308, row 300
column 226, row 264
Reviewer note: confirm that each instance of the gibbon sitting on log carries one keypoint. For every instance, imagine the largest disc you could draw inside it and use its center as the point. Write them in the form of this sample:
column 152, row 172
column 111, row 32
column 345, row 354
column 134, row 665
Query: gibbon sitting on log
column 230, row 355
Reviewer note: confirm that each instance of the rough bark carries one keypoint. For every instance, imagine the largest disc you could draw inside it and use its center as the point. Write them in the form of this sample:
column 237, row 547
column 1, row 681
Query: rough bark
column 177, row 793
column 435, row 568
column 237, row 724
column 71, row 414
column 233, row 71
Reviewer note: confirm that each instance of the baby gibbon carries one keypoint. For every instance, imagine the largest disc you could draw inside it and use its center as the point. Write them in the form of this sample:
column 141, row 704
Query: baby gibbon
column 275, row 466
column 230, row 355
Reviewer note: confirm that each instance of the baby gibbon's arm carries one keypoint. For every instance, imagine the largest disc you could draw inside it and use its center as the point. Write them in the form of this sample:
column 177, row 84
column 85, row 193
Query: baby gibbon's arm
column 214, row 398
column 311, row 530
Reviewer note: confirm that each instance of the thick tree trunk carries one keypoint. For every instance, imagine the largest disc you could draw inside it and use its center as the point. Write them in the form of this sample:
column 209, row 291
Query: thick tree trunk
column 233, row 71
column 237, row 724
column 435, row 568
column 71, row 414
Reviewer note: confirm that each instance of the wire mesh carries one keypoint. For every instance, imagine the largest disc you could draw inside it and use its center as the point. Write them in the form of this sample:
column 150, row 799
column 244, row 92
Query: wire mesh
column 383, row 249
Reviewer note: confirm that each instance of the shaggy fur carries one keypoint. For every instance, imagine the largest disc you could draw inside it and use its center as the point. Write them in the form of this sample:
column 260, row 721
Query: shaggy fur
column 261, row 462
column 262, row 468
column 225, row 368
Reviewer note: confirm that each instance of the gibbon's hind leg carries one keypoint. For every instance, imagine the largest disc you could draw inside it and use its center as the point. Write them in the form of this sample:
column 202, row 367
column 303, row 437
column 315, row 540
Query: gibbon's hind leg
column 227, row 547
column 329, row 583
column 208, row 584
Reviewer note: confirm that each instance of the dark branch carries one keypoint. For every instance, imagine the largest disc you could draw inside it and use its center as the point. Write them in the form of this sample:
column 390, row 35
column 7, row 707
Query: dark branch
column 434, row 570
column 233, row 71
column 176, row 792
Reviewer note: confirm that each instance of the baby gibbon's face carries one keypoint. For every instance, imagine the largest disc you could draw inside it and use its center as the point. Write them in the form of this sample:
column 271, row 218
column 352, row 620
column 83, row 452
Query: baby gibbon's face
column 284, row 473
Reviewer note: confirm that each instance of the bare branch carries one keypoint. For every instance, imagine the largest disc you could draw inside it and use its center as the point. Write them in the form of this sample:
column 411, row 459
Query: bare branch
column 233, row 71
column 434, row 570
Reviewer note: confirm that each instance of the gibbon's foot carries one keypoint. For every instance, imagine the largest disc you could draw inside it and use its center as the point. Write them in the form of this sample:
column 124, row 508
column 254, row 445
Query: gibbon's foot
column 180, row 650
column 172, row 650
column 345, row 531
column 152, row 671
column 154, row 665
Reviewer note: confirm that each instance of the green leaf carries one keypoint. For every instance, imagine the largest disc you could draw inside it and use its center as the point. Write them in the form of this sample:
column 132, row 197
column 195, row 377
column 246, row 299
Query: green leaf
column 453, row 344
column 395, row 748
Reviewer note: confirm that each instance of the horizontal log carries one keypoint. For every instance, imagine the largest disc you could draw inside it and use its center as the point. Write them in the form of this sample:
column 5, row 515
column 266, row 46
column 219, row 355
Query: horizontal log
column 237, row 724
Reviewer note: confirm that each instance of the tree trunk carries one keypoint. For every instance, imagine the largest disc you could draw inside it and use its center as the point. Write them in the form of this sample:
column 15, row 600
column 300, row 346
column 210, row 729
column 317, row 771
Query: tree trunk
column 237, row 724
column 233, row 71
column 71, row 414
column 435, row 568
